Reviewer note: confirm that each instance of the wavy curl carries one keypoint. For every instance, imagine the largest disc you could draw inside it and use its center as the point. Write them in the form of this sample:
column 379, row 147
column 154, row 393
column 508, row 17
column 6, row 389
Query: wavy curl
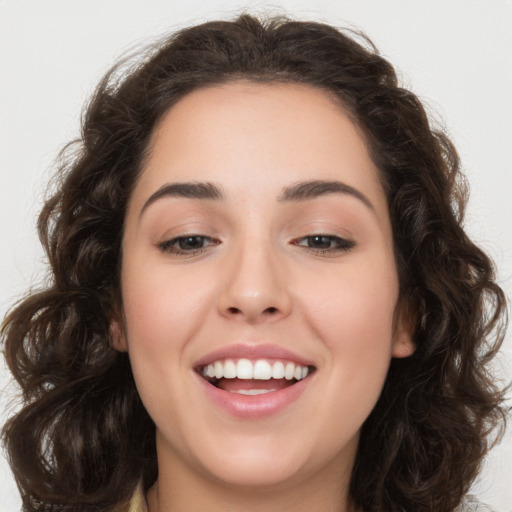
column 83, row 438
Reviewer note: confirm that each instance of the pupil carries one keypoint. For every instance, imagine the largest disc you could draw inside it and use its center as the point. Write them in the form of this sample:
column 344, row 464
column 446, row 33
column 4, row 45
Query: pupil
column 322, row 242
column 191, row 242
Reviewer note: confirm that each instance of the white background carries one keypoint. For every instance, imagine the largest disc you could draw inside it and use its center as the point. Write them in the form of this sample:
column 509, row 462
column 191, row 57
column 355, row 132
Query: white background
column 455, row 54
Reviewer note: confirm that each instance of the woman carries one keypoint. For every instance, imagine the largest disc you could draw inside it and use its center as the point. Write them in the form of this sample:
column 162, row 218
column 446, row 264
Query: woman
column 262, row 294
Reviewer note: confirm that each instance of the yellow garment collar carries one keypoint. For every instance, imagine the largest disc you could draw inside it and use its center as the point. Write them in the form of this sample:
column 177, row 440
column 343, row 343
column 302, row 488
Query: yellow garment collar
column 138, row 501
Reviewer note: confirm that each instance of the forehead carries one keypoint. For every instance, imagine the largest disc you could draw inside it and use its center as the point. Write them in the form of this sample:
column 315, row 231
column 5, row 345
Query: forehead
column 243, row 135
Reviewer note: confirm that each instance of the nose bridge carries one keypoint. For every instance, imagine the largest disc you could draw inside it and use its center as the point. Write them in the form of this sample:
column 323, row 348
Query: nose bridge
column 254, row 287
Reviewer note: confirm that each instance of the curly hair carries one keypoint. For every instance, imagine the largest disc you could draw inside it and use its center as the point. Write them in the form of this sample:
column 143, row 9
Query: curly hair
column 82, row 439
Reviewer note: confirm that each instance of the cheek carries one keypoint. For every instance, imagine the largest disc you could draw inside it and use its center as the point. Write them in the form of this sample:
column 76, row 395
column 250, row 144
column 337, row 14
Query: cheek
column 163, row 310
column 353, row 314
column 359, row 300
column 161, row 305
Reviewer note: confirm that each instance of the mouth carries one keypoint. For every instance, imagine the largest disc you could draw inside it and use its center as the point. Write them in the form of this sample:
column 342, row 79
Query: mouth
column 253, row 377
column 254, row 382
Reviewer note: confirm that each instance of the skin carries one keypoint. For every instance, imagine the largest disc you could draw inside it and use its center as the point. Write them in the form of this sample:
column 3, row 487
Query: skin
column 258, row 279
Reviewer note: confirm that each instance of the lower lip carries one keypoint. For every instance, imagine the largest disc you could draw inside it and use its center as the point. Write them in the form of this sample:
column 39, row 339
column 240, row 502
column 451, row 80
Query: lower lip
column 255, row 406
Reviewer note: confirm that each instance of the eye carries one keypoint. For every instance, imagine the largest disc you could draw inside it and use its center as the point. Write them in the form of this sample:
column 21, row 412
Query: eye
column 324, row 244
column 188, row 245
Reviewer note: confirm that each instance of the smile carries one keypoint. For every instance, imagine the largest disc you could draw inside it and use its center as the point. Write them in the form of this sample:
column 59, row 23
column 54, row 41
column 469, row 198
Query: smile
column 251, row 378
column 253, row 387
column 261, row 369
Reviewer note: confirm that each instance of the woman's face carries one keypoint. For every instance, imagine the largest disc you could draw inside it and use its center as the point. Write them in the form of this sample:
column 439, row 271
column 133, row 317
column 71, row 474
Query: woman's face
column 258, row 242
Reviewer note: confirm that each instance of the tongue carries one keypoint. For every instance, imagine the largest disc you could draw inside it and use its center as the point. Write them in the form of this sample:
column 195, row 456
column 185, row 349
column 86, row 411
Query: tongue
column 233, row 385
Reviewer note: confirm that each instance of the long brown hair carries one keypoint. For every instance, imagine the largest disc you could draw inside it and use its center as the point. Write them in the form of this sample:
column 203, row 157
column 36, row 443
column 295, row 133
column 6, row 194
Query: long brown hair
column 83, row 438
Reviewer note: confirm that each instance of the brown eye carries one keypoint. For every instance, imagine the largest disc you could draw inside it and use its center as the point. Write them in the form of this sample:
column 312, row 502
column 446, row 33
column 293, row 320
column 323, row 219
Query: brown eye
column 324, row 243
column 190, row 244
column 319, row 242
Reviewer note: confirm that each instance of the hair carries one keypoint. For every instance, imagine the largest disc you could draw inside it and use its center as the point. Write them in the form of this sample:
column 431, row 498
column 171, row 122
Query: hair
column 82, row 439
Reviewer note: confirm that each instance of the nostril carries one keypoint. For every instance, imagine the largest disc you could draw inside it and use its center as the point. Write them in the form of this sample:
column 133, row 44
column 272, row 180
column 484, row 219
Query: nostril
column 252, row 313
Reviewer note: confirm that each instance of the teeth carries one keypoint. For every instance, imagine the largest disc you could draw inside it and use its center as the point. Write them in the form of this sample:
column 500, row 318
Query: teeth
column 211, row 371
column 278, row 370
column 260, row 369
column 229, row 369
column 253, row 391
column 219, row 370
column 289, row 371
column 244, row 369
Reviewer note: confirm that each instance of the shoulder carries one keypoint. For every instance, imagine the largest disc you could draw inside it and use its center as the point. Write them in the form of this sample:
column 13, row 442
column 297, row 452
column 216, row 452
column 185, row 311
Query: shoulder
column 471, row 504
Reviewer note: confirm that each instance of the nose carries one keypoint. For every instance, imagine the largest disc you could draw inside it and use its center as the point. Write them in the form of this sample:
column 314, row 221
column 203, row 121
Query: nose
column 254, row 288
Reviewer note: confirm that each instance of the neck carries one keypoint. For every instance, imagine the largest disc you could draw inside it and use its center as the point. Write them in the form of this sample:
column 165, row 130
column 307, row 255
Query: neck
column 181, row 488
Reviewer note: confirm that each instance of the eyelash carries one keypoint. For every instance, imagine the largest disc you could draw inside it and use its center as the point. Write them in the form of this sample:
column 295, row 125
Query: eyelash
column 340, row 244
column 175, row 245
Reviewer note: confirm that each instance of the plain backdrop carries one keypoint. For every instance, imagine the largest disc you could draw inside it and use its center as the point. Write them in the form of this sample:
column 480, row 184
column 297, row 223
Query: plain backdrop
column 455, row 54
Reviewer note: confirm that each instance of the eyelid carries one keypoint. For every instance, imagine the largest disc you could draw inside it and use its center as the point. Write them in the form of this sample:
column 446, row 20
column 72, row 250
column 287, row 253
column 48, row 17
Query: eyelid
column 170, row 246
column 337, row 244
column 344, row 245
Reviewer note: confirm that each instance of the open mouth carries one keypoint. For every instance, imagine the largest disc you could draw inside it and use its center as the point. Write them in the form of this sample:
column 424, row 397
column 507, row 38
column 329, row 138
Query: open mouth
column 253, row 377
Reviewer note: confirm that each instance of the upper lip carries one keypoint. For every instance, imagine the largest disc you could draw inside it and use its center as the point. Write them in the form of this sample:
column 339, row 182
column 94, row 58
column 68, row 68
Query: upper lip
column 252, row 352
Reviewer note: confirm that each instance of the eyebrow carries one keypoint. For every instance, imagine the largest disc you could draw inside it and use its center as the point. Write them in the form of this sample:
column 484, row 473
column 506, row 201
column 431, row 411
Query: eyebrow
column 301, row 191
column 189, row 190
column 316, row 188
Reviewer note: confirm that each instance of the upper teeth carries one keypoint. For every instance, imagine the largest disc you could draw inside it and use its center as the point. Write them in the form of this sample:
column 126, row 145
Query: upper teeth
column 261, row 369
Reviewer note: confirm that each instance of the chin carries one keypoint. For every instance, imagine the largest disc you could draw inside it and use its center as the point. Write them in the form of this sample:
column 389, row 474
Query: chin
column 259, row 470
column 273, row 459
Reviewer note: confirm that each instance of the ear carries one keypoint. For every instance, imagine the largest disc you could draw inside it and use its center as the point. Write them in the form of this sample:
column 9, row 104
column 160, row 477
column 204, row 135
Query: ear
column 403, row 344
column 118, row 336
